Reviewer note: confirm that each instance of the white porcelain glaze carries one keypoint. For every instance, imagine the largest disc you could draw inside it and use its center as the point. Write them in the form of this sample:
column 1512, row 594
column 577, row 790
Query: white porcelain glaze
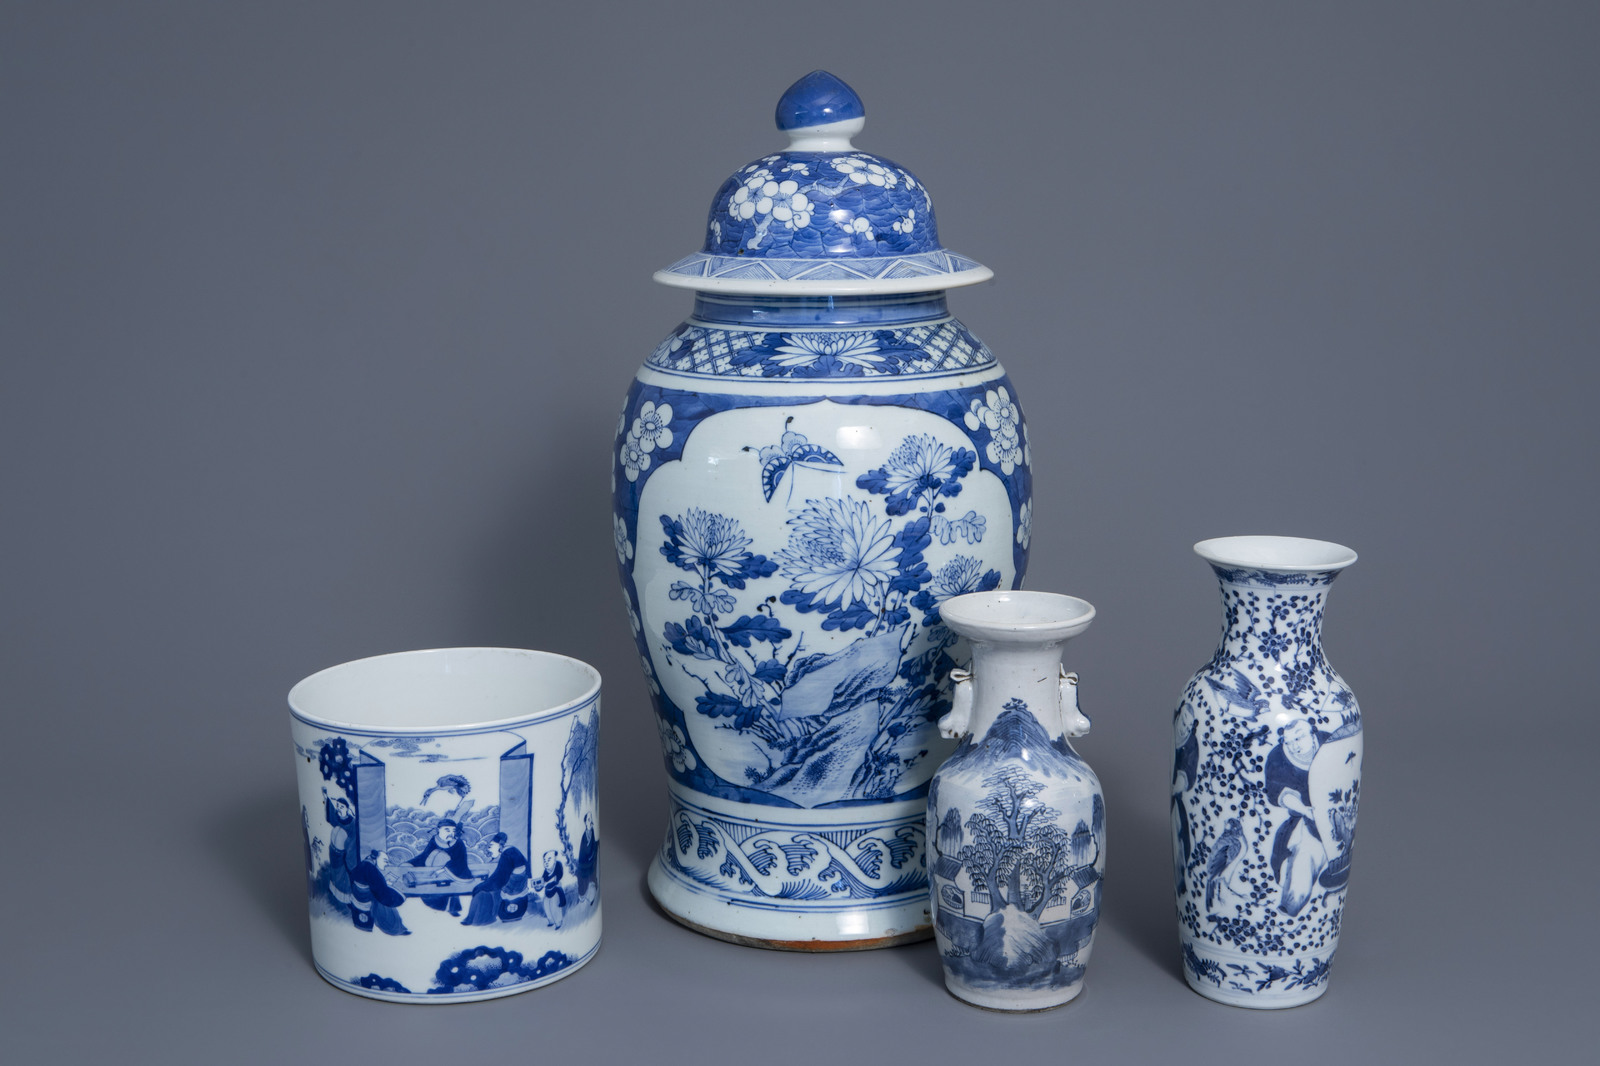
column 448, row 804
column 1016, row 819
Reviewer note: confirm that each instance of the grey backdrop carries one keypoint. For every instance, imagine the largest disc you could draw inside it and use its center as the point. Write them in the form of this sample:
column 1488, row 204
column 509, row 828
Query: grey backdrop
column 315, row 324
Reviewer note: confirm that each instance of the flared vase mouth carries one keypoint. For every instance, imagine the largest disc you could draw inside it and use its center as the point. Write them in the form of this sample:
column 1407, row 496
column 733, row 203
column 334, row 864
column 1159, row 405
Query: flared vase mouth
column 443, row 691
column 1016, row 617
column 1275, row 555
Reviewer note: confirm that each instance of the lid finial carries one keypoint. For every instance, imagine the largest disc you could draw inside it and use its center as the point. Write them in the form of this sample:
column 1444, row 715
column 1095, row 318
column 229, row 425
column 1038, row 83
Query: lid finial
column 820, row 113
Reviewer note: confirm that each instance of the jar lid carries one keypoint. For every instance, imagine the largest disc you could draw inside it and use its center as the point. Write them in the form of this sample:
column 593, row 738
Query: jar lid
column 821, row 217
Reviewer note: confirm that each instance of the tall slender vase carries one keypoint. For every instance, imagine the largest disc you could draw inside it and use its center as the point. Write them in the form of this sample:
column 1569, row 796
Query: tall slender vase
column 1016, row 820
column 804, row 471
column 1266, row 778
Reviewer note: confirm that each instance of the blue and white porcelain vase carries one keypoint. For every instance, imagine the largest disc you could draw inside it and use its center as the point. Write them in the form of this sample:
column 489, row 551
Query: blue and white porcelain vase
column 1016, row 819
column 1265, row 781
column 804, row 471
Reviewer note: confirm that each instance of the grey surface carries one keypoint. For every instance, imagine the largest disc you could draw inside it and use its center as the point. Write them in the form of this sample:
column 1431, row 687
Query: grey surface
column 315, row 321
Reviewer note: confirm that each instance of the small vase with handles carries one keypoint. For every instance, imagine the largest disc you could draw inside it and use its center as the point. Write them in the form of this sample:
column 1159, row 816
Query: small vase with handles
column 1016, row 819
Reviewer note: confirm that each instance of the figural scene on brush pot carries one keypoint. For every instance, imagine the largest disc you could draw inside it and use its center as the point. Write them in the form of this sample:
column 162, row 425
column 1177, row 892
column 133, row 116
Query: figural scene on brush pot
column 822, row 489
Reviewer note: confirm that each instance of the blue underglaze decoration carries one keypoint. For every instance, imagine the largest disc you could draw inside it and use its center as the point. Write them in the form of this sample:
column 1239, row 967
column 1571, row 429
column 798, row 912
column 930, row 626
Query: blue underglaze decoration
column 821, row 205
column 580, row 797
column 793, row 449
column 483, row 968
column 1018, row 882
column 1268, row 580
column 755, row 864
column 379, row 983
column 816, row 100
column 933, row 266
column 1267, row 749
column 857, row 571
column 806, row 312
column 375, row 855
column 926, row 349
column 754, row 674
column 808, row 219
column 792, row 549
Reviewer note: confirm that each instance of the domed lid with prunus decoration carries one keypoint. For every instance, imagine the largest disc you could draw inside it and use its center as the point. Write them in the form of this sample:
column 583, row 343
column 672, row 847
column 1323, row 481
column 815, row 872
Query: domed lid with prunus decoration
column 821, row 217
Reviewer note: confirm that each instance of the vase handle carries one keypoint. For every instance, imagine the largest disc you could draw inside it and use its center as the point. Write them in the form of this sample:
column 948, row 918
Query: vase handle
column 958, row 722
column 1073, row 721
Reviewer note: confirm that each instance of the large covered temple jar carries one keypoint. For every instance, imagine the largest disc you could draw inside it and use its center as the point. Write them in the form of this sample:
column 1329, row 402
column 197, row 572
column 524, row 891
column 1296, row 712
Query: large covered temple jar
column 804, row 471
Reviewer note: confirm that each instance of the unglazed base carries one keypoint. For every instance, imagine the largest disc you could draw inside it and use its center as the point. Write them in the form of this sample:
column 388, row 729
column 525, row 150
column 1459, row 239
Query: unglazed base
column 834, row 930
column 1016, row 1001
column 804, row 945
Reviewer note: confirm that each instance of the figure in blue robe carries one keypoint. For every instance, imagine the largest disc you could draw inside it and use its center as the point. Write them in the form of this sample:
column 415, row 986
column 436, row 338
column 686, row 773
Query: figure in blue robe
column 311, row 863
column 445, row 850
column 1185, row 769
column 341, row 847
column 587, row 865
column 375, row 903
column 503, row 894
column 1298, row 855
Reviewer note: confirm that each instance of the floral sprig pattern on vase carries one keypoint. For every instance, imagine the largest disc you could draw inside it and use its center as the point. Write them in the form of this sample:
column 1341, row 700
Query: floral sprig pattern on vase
column 624, row 545
column 675, row 746
column 858, row 563
column 842, row 561
column 997, row 413
column 712, row 548
column 959, row 576
column 827, row 355
column 919, row 474
column 844, row 349
column 651, row 429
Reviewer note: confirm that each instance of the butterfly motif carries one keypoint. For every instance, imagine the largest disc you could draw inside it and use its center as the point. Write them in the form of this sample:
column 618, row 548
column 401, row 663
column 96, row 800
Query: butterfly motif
column 792, row 449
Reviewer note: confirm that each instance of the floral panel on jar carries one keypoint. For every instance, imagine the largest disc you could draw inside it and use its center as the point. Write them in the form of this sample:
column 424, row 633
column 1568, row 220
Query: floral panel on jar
column 789, row 623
